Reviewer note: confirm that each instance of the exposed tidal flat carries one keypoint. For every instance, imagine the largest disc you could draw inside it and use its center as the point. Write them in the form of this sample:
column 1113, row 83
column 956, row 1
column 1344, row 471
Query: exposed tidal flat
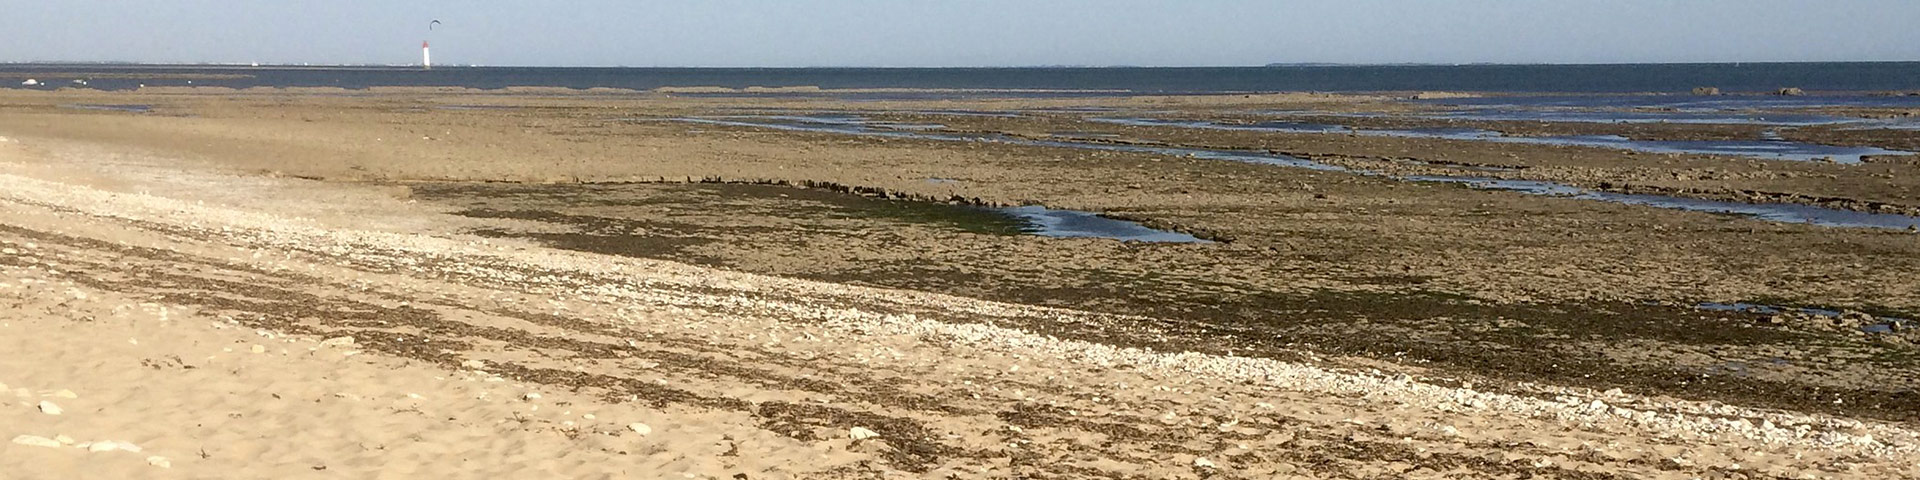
column 1324, row 253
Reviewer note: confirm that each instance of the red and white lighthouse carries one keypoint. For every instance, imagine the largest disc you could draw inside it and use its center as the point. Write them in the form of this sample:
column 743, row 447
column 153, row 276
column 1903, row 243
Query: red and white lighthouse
column 426, row 56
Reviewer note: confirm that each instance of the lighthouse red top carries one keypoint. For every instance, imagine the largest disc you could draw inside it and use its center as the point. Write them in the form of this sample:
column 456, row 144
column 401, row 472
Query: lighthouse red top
column 423, row 44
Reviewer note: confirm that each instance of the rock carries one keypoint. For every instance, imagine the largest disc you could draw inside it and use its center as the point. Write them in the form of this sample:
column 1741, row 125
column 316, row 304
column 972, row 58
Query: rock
column 1597, row 406
column 36, row 441
column 474, row 364
column 530, row 396
column 109, row 446
column 1706, row 91
column 49, row 408
column 337, row 342
column 862, row 433
column 30, row 82
column 1202, row 462
column 1790, row 92
column 159, row 461
column 1853, row 319
column 640, row 428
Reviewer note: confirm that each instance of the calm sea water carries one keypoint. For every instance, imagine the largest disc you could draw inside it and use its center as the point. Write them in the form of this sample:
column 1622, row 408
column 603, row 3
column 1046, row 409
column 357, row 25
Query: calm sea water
column 1748, row 77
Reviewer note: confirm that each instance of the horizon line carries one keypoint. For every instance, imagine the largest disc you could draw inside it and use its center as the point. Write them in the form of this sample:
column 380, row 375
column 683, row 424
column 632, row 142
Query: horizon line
column 981, row 67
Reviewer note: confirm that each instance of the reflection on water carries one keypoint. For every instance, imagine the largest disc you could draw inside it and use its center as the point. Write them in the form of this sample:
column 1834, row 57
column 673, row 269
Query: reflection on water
column 1076, row 224
column 1882, row 325
column 1604, row 116
column 1772, row 149
column 1721, row 103
column 111, row 107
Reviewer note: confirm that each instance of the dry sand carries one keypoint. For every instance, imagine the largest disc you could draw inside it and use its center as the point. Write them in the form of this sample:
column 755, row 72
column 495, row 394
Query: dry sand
column 191, row 322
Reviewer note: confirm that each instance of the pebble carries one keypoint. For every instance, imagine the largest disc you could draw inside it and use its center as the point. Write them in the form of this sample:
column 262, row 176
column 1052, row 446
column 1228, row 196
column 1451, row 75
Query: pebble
column 35, row 441
column 1202, row 462
column 531, row 396
column 862, row 433
column 474, row 364
column 49, row 408
column 337, row 342
column 640, row 428
column 159, row 461
column 109, row 445
column 259, row 349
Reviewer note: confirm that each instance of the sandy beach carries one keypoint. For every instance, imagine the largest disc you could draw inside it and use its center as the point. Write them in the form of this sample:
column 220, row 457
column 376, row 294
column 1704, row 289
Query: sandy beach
column 404, row 283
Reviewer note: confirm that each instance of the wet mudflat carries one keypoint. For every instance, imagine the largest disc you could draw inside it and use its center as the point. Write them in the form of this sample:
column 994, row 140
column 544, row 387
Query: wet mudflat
column 1791, row 213
column 831, row 236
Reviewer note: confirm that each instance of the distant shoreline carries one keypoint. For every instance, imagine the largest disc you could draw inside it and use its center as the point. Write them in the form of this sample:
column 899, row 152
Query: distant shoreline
column 349, row 66
column 1548, row 79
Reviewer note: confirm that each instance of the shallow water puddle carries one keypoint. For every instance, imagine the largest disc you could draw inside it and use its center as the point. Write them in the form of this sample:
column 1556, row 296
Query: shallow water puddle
column 1601, row 116
column 1772, row 149
column 1049, row 222
column 1778, row 212
column 131, row 108
column 1885, row 325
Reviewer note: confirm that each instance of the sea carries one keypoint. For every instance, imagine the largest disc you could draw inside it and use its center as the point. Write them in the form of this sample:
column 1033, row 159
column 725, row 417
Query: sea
column 1542, row 79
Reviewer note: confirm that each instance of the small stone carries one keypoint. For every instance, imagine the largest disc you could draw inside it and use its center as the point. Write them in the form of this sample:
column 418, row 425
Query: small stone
column 530, row 396
column 337, row 342
column 1202, row 462
column 159, row 461
column 640, row 428
column 474, row 364
column 36, row 441
column 259, row 349
column 49, row 408
column 862, row 433
column 108, row 446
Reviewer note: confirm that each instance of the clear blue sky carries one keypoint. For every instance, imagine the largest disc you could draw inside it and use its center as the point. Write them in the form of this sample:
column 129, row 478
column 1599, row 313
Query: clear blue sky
column 959, row 33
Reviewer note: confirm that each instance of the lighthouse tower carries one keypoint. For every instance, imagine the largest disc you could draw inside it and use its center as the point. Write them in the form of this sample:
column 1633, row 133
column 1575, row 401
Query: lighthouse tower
column 426, row 56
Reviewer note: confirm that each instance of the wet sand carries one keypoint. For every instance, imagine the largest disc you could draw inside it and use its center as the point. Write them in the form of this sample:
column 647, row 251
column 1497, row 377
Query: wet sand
column 543, row 239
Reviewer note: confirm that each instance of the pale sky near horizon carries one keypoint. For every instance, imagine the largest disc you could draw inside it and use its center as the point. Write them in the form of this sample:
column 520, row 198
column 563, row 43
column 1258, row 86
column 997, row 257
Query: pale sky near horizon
column 771, row 33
